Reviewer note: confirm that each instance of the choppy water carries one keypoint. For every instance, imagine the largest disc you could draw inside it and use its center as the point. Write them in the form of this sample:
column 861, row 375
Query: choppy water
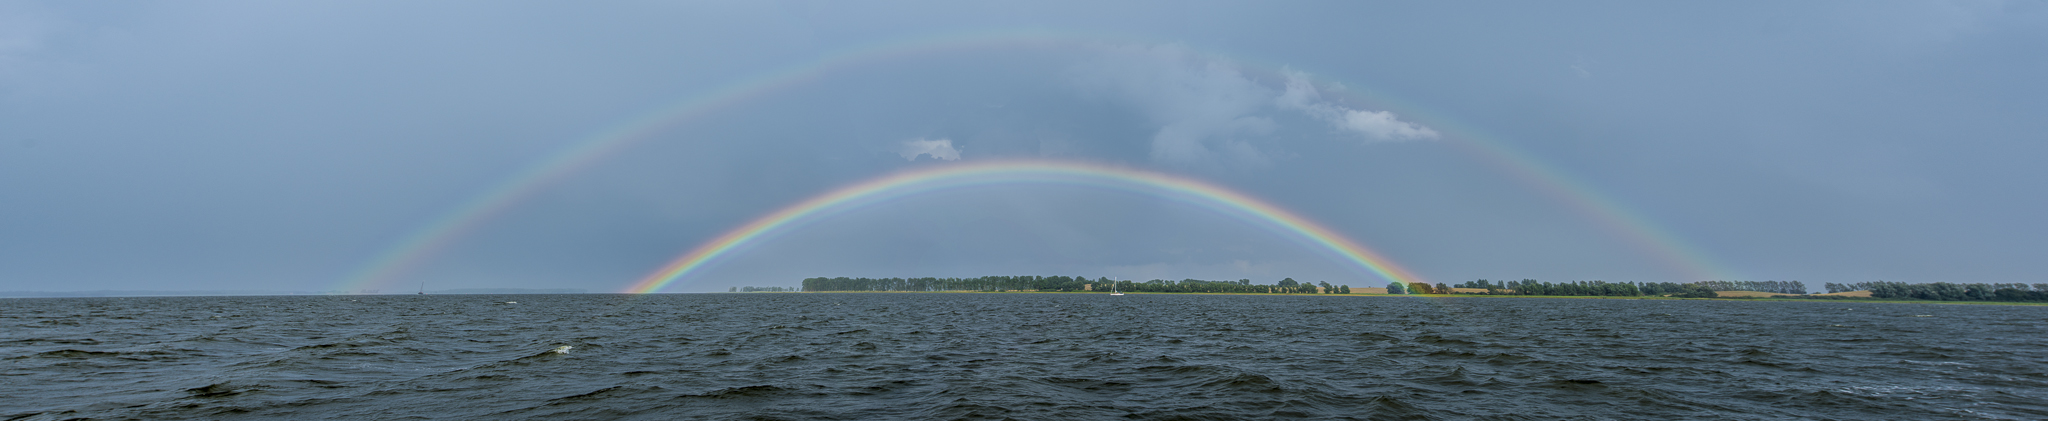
column 1024, row 356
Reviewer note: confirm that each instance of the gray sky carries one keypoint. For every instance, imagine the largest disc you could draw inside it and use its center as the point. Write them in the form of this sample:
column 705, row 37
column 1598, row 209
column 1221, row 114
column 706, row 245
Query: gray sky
column 286, row 146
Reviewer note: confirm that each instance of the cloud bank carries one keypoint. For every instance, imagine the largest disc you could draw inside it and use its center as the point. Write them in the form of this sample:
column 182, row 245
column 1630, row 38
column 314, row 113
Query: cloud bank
column 1204, row 108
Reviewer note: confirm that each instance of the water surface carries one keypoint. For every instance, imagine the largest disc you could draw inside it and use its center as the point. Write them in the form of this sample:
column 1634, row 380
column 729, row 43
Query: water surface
column 1024, row 356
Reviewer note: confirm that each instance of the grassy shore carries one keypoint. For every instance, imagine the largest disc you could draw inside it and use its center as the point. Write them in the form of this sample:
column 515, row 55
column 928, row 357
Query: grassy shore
column 1756, row 296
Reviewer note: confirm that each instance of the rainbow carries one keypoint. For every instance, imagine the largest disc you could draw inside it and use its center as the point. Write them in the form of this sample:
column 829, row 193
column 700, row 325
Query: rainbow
column 945, row 177
column 437, row 233
column 424, row 240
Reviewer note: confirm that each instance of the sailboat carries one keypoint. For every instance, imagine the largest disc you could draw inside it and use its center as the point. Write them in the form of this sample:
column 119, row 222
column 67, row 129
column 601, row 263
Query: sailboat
column 1112, row 287
column 423, row 288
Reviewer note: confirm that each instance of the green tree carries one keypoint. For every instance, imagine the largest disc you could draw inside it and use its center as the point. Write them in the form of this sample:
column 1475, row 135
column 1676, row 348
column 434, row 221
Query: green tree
column 1396, row 288
column 1696, row 291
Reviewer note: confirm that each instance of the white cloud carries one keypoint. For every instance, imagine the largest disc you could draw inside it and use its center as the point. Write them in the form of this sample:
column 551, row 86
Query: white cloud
column 941, row 149
column 1209, row 112
column 1383, row 125
column 1301, row 95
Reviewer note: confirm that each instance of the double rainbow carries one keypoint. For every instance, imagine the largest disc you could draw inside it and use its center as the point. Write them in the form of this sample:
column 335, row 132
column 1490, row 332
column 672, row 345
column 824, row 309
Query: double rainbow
column 413, row 248
column 946, row 177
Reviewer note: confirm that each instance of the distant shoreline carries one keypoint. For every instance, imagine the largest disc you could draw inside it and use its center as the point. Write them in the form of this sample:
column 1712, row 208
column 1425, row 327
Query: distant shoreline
column 514, row 291
column 1765, row 299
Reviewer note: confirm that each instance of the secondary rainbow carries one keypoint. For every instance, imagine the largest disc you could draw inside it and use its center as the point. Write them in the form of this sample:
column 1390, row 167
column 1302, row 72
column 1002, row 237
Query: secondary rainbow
column 424, row 240
column 412, row 249
column 939, row 178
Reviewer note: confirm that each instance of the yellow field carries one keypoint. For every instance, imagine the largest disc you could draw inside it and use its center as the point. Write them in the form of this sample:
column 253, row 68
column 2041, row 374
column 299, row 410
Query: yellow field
column 1864, row 294
column 1746, row 293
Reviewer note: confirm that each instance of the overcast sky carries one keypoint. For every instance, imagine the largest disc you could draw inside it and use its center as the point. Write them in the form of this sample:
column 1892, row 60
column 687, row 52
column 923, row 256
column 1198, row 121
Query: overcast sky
column 288, row 145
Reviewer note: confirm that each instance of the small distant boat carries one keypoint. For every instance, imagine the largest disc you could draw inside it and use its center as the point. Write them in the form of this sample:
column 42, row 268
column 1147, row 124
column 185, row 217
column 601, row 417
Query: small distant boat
column 423, row 288
column 1112, row 288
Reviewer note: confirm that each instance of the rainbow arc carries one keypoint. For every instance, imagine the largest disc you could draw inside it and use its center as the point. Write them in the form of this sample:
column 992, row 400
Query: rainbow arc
column 941, row 178
column 439, row 232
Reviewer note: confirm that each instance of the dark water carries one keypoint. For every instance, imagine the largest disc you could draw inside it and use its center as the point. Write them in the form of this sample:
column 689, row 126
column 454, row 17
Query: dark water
column 1023, row 356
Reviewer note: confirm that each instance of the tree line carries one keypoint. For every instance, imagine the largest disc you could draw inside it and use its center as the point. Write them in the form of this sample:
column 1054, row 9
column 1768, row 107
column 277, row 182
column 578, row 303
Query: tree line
column 1594, row 288
column 1780, row 287
column 1941, row 291
column 1534, row 287
column 1946, row 291
column 1064, row 283
column 1624, row 289
column 1872, row 286
column 1938, row 291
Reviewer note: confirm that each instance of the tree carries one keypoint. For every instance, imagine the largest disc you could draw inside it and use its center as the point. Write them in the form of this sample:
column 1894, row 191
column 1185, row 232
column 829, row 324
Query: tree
column 1396, row 288
column 1696, row 290
column 1327, row 289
